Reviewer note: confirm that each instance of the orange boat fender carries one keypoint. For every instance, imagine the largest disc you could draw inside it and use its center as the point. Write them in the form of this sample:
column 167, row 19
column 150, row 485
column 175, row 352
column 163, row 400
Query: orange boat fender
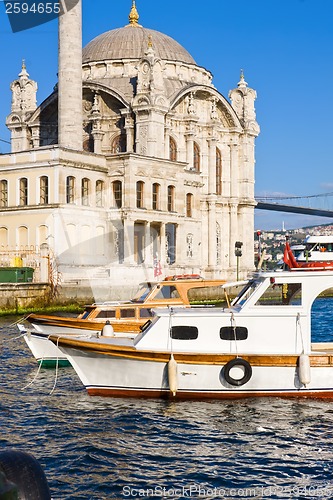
column 243, row 366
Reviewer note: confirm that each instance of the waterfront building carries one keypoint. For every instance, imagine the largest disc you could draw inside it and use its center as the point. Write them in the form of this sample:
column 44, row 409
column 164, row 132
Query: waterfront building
column 135, row 165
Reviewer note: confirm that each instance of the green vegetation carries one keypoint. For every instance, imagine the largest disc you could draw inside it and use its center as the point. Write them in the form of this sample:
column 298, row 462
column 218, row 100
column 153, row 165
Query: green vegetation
column 69, row 308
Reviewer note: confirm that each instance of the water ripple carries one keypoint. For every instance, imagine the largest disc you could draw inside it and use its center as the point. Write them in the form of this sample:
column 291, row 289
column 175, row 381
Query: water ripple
column 95, row 448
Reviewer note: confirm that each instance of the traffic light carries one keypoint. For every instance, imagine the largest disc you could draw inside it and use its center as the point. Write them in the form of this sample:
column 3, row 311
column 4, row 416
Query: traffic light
column 238, row 248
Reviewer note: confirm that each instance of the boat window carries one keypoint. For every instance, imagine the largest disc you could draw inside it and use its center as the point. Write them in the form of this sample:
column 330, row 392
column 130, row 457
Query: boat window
column 184, row 332
column 233, row 333
column 110, row 313
column 145, row 313
column 145, row 325
column 127, row 313
column 245, row 293
column 142, row 293
column 167, row 292
column 281, row 294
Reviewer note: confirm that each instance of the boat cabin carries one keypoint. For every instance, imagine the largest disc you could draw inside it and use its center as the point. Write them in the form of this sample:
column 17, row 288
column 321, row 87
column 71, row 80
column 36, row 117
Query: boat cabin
column 178, row 290
column 271, row 315
column 316, row 248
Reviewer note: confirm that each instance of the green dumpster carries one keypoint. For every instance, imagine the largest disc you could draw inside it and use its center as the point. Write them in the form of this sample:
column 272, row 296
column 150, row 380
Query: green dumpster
column 16, row 274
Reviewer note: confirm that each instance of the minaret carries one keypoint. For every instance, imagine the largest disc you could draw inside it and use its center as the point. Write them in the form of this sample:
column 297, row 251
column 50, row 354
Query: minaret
column 23, row 105
column 70, row 78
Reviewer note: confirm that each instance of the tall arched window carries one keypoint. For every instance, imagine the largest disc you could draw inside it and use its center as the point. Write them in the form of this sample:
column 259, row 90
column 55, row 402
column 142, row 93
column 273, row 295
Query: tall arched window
column 70, row 189
column 4, row 193
column 99, row 193
column 42, row 234
column 218, row 172
column 22, row 236
column 172, row 149
column 23, row 191
column 3, row 236
column 189, row 204
column 85, row 188
column 139, row 194
column 156, row 196
column 44, row 190
column 117, row 193
column 119, row 144
column 196, row 157
column 171, row 198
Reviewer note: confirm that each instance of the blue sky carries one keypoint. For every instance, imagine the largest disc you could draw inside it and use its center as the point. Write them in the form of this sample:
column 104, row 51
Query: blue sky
column 283, row 46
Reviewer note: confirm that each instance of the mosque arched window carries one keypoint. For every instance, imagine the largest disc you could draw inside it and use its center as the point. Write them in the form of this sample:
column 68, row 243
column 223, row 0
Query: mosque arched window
column 85, row 189
column 172, row 149
column 3, row 236
column 70, row 189
column 23, row 183
column 171, row 198
column 196, row 157
column 99, row 193
column 119, row 144
column 22, row 236
column 117, row 193
column 218, row 167
column 189, row 204
column 44, row 190
column 139, row 194
column 156, row 196
column 4, row 193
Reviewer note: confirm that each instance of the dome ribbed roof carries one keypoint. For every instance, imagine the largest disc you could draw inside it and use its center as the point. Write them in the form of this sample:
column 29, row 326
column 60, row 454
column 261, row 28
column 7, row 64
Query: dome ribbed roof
column 131, row 42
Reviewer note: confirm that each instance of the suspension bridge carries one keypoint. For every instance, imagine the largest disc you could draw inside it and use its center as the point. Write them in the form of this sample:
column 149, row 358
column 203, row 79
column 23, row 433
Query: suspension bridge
column 317, row 204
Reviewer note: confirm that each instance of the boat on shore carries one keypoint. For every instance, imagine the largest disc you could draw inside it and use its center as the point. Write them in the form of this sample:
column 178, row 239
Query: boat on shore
column 260, row 345
column 123, row 318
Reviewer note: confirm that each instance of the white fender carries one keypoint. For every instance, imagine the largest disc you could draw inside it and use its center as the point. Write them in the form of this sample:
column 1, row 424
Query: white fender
column 304, row 369
column 107, row 330
column 172, row 375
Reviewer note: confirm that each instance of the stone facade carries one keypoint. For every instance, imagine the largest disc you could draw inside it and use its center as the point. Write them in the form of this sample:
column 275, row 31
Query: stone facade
column 154, row 170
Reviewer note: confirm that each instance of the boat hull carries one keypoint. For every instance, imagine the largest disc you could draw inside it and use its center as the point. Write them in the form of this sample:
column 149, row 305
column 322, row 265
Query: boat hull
column 121, row 376
column 44, row 351
column 48, row 353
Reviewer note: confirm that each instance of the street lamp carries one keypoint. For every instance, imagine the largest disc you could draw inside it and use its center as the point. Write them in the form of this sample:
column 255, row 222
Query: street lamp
column 238, row 253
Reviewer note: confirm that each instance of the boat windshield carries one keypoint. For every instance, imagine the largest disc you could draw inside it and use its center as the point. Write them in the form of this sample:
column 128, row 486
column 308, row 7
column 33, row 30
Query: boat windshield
column 143, row 292
column 245, row 293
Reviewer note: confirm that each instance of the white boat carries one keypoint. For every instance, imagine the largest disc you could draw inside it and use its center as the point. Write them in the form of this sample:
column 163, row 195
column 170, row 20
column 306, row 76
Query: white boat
column 315, row 252
column 259, row 346
column 48, row 354
column 122, row 318
column 317, row 249
column 130, row 315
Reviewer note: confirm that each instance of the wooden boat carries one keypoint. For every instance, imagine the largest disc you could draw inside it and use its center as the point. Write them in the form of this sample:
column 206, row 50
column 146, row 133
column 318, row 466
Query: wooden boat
column 258, row 346
column 125, row 318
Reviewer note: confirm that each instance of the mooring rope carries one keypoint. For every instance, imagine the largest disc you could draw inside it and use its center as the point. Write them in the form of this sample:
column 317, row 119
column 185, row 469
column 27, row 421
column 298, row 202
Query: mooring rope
column 35, row 377
column 15, row 338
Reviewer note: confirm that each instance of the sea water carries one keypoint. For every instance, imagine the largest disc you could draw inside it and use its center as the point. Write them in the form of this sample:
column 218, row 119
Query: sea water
column 106, row 448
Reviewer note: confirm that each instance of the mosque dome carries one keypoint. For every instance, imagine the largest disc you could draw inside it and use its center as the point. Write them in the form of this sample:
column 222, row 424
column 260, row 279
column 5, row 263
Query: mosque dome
column 131, row 42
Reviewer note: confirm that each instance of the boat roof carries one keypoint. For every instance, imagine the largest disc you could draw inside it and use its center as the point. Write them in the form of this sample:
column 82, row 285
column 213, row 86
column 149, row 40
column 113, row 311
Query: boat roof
column 319, row 239
column 313, row 281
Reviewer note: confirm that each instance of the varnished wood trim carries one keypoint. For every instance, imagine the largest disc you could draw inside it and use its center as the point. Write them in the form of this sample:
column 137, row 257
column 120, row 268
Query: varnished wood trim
column 130, row 352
